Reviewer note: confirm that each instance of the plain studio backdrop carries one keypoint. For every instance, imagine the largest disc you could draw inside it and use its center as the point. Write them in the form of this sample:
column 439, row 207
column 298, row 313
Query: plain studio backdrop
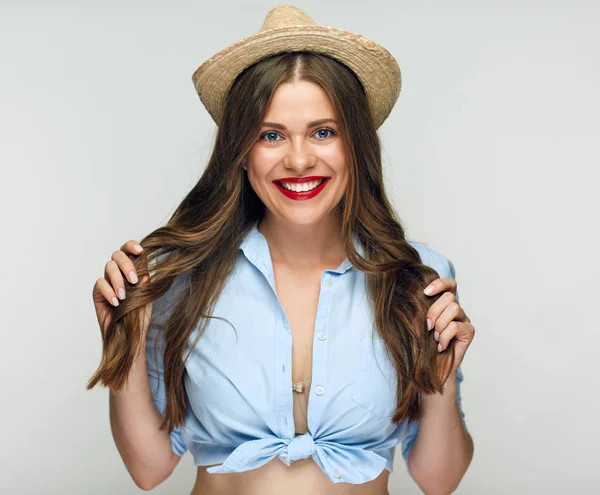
column 491, row 158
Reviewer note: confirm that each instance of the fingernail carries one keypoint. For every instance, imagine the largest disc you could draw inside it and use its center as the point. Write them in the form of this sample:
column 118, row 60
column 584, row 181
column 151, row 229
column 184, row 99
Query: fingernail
column 138, row 248
column 133, row 277
column 115, row 301
column 429, row 324
column 429, row 289
column 439, row 347
column 436, row 336
column 121, row 293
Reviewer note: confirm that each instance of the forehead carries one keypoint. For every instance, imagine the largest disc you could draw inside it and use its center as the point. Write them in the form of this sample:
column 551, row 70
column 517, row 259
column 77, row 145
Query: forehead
column 300, row 101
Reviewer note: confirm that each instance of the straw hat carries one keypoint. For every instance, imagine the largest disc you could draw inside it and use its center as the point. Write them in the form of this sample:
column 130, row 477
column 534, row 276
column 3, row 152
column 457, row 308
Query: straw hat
column 288, row 29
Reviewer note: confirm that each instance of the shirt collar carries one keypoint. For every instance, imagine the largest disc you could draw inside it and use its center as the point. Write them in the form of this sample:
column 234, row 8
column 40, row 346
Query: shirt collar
column 256, row 249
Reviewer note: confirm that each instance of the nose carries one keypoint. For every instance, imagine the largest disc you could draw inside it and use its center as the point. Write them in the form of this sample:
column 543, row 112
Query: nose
column 300, row 157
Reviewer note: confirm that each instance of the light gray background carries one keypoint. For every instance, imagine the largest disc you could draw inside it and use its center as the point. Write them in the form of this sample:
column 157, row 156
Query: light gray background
column 491, row 155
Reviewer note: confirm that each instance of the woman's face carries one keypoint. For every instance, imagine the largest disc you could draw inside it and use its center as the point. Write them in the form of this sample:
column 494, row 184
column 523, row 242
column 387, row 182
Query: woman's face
column 299, row 138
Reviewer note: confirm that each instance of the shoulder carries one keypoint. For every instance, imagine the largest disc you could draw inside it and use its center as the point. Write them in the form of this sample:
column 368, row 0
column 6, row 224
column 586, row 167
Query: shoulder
column 434, row 259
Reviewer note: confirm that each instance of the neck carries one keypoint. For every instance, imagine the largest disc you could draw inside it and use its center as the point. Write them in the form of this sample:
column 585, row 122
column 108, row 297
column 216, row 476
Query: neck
column 304, row 247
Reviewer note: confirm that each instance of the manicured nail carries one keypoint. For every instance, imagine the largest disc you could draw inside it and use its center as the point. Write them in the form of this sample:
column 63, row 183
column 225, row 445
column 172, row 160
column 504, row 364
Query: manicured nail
column 429, row 289
column 138, row 248
column 436, row 336
column 115, row 301
column 429, row 324
column 439, row 347
column 121, row 293
column 133, row 277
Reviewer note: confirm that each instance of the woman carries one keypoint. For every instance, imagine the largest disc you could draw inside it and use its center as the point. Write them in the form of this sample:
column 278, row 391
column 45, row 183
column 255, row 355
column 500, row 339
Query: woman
column 280, row 320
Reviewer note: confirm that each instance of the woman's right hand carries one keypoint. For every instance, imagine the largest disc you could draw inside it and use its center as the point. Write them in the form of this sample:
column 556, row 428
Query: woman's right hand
column 109, row 289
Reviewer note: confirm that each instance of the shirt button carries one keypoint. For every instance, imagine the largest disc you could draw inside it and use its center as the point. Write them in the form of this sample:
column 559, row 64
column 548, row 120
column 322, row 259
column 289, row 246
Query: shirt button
column 319, row 390
column 322, row 335
column 336, row 475
column 328, row 281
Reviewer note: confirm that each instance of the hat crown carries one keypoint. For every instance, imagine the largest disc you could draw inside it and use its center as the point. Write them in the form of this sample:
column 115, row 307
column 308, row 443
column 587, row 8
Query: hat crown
column 285, row 16
column 287, row 28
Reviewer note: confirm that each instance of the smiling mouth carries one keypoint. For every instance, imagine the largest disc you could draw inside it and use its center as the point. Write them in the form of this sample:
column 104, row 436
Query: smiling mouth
column 316, row 187
column 301, row 187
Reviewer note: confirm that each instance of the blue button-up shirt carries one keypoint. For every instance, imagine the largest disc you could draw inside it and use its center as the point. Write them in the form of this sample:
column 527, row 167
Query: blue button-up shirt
column 238, row 378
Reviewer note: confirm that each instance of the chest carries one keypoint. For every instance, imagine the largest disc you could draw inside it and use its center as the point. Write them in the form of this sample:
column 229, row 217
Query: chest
column 298, row 294
column 270, row 329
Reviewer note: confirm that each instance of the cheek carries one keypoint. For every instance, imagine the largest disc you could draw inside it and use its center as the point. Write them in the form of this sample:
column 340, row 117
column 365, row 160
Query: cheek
column 259, row 163
column 264, row 154
column 335, row 153
column 257, row 177
column 339, row 164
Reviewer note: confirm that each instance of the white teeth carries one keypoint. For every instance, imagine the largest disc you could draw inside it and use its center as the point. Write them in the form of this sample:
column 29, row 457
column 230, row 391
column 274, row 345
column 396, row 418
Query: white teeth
column 306, row 186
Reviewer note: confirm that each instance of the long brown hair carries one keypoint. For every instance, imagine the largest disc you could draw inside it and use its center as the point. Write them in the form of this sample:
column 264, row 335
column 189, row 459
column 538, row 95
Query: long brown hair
column 202, row 237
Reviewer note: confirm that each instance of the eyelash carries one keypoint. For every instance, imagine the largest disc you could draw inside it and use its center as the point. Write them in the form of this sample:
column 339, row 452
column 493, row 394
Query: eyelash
column 275, row 132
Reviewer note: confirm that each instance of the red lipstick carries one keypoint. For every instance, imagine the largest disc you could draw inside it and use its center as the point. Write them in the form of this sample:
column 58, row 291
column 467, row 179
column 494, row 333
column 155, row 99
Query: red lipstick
column 298, row 180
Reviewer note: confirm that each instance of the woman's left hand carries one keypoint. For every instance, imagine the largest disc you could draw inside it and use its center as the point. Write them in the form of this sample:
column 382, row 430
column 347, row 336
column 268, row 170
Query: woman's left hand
column 449, row 320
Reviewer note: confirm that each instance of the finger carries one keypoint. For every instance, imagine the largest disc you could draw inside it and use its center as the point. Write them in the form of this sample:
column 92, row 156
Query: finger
column 438, row 307
column 125, row 265
column 452, row 312
column 132, row 247
column 114, row 276
column 103, row 288
column 447, row 335
column 441, row 285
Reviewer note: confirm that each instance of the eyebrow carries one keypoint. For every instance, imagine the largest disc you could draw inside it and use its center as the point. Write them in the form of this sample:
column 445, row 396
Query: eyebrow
column 310, row 124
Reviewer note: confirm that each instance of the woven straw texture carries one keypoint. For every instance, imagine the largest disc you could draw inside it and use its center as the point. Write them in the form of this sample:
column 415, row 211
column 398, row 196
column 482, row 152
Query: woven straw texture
column 288, row 29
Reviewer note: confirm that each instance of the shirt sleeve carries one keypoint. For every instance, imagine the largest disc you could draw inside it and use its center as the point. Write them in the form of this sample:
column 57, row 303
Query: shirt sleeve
column 451, row 273
column 407, row 443
column 156, row 372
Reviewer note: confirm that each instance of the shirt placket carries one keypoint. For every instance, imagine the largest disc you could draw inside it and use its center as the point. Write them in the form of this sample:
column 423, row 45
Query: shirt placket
column 283, row 362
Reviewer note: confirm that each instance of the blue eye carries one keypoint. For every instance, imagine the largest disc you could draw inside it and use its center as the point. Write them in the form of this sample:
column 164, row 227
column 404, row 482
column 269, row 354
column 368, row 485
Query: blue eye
column 267, row 133
column 321, row 138
column 326, row 129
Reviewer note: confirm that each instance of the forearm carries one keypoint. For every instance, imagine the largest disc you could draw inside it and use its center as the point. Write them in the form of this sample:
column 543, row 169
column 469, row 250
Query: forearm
column 145, row 450
column 443, row 448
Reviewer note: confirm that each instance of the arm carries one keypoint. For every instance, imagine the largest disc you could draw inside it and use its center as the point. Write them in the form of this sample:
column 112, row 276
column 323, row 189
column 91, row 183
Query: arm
column 438, row 449
column 443, row 448
column 146, row 451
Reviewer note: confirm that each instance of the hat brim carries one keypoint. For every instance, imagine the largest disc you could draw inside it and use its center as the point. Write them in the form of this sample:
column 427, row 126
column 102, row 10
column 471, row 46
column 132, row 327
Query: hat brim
column 374, row 66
